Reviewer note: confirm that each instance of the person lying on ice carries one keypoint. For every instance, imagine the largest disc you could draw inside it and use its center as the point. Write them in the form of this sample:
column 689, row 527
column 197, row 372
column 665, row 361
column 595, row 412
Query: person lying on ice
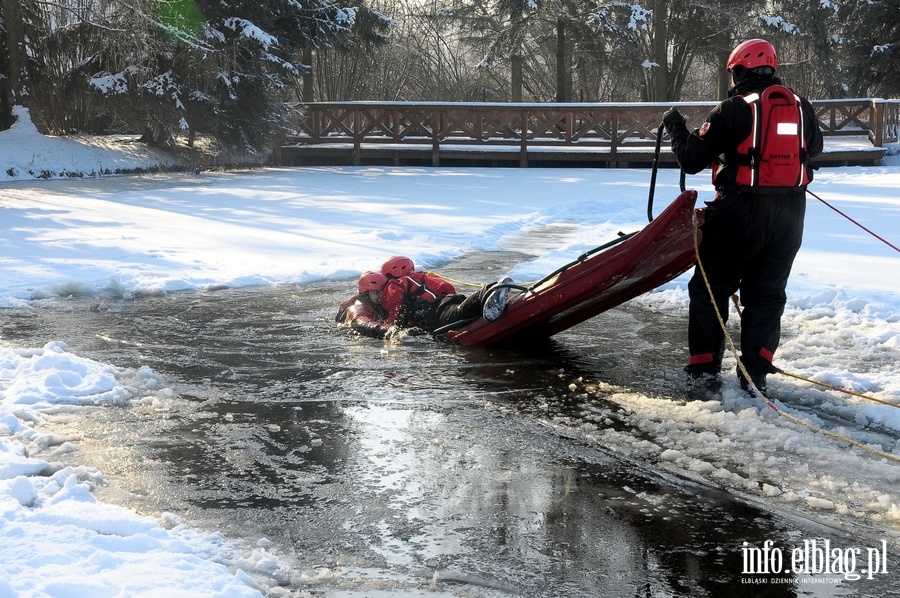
column 415, row 302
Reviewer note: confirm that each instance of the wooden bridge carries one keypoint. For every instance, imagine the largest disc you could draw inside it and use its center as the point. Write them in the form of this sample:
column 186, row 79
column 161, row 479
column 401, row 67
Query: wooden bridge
column 530, row 135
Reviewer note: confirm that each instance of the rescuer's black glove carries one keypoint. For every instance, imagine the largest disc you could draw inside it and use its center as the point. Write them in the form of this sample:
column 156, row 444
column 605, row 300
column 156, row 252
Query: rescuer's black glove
column 672, row 119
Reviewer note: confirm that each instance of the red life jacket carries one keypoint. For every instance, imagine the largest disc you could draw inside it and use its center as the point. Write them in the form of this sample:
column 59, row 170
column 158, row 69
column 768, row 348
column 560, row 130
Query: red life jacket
column 774, row 155
column 400, row 296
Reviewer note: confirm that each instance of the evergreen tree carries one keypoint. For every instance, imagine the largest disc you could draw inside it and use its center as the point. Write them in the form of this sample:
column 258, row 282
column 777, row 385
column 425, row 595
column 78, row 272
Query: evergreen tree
column 661, row 42
column 221, row 68
column 872, row 47
column 167, row 68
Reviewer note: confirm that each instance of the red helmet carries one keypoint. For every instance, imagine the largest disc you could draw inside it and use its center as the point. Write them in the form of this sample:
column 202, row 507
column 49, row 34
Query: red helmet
column 397, row 266
column 753, row 53
column 371, row 281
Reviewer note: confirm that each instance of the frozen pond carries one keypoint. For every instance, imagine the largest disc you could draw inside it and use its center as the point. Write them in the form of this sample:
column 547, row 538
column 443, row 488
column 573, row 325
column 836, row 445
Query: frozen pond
column 416, row 468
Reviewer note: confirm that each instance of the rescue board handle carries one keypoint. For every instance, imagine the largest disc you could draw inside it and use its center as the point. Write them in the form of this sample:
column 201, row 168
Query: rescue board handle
column 659, row 136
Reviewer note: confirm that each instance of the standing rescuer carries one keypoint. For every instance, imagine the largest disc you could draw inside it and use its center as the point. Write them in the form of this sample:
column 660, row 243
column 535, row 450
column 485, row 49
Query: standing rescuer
column 758, row 143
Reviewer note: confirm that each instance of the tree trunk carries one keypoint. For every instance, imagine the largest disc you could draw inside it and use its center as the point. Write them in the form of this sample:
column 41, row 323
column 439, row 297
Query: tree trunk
column 562, row 89
column 516, row 66
column 15, row 41
column 308, row 76
column 659, row 88
column 724, row 82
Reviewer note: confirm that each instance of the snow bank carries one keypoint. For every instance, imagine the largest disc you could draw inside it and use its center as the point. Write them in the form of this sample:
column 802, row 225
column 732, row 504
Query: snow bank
column 25, row 154
column 57, row 538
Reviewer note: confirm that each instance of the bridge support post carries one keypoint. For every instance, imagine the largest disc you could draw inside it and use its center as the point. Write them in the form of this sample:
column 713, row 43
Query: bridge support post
column 435, row 139
column 523, row 145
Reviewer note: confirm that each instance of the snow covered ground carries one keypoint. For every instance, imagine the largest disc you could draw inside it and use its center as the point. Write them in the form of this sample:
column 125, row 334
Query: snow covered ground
column 162, row 233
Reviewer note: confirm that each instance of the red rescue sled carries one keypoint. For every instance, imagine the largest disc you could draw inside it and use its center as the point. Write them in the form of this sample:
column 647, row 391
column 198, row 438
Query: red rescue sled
column 594, row 283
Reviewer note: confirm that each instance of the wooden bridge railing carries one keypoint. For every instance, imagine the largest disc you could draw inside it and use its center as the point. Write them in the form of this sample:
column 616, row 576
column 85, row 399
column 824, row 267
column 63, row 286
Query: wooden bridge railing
column 878, row 119
column 606, row 127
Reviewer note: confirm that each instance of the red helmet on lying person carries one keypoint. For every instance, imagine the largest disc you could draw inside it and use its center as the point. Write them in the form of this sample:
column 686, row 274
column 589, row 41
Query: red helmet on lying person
column 371, row 281
column 398, row 266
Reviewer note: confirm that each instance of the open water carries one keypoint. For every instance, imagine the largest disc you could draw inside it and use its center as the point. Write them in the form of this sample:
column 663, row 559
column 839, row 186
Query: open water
column 409, row 469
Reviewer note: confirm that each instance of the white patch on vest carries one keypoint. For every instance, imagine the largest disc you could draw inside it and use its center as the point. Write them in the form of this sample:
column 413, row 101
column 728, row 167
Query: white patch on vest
column 786, row 129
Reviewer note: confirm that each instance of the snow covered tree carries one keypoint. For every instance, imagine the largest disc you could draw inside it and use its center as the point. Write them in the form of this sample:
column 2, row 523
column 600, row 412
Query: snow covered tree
column 804, row 34
column 675, row 50
column 6, row 69
column 352, row 65
column 14, row 18
column 12, row 54
column 219, row 68
column 167, row 69
column 227, row 70
column 535, row 48
column 501, row 28
column 872, row 46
